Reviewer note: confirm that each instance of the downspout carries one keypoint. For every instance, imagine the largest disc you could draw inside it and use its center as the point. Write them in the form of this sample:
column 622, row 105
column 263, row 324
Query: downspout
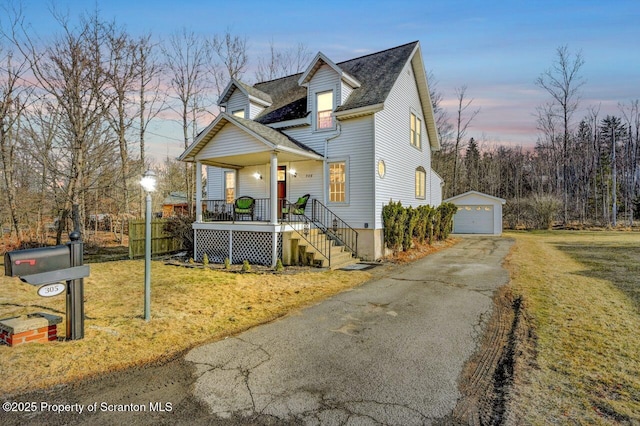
column 324, row 162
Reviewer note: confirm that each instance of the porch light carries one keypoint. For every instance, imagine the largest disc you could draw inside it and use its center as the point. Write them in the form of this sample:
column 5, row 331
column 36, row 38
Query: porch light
column 305, row 228
column 334, row 225
column 257, row 175
column 293, row 172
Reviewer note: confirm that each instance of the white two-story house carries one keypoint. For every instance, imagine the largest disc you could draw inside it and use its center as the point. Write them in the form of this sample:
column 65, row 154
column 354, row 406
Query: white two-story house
column 351, row 135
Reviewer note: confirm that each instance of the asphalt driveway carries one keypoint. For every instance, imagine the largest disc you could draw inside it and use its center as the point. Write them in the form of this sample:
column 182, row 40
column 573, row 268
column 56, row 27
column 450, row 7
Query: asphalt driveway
column 388, row 352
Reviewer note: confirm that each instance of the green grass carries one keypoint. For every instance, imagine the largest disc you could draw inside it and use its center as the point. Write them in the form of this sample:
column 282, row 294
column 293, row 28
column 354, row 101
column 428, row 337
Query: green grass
column 580, row 294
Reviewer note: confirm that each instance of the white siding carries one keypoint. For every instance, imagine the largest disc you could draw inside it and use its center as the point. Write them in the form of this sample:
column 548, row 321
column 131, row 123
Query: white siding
column 230, row 140
column 215, row 183
column 324, row 79
column 238, row 100
column 254, row 110
column 355, row 145
column 307, row 181
column 435, row 193
column 306, row 135
column 345, row 91
column 248, row 185
column 392, row 133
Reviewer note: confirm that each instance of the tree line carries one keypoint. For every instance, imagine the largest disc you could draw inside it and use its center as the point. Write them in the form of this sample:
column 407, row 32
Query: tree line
column 581, row 171
column 77, row 107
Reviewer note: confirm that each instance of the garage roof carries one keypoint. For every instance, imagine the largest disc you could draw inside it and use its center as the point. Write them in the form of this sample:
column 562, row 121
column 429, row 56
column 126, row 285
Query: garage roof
column 480, row 194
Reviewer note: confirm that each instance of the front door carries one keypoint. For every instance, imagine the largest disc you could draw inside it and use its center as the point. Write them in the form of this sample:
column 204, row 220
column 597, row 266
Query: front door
column 282, row 188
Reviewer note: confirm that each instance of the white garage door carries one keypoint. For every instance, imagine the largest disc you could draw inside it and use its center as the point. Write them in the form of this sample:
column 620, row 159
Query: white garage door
column 473, row 220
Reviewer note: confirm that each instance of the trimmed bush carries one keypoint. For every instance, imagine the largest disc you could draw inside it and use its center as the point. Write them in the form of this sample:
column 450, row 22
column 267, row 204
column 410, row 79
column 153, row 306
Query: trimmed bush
column 403, row 224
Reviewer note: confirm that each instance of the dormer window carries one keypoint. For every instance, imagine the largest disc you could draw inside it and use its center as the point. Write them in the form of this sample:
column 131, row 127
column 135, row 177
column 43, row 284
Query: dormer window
column 238, row 113
column 324, row 108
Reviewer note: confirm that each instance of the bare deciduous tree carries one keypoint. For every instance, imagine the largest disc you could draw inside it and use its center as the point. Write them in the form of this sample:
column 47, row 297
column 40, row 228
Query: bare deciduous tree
column 282, row 62
column 463, row 120
column 13, row 99
column 231, row 58
column 187, row 65
column 563, row 82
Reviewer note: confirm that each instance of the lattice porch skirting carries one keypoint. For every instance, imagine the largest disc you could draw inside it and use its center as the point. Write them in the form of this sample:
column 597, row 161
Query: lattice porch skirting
column 237, row 246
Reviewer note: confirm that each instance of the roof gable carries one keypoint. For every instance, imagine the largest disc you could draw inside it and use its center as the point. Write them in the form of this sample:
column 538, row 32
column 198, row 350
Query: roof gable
column 272, row 138
column 322, row 59
column 375, row 74
column 475, row 194
column 252, row 93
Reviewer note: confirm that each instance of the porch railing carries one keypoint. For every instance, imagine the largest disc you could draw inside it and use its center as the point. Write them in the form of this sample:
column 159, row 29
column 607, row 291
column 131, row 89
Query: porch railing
column 222, row 211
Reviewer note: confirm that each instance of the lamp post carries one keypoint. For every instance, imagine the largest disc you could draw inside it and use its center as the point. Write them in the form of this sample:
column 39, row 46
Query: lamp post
column 148, row 183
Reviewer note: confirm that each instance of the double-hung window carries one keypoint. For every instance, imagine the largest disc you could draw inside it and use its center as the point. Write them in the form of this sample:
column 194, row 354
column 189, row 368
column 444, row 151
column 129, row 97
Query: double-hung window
column 324, row 108
column 416, row 131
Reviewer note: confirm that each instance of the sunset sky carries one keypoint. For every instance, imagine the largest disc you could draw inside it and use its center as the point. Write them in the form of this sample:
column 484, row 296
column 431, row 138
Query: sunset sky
column 496, row 48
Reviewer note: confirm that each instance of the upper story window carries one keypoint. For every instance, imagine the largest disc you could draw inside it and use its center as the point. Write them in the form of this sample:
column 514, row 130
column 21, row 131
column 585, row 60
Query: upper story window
column 324, row 108
column 416, row 130
column 238, row 113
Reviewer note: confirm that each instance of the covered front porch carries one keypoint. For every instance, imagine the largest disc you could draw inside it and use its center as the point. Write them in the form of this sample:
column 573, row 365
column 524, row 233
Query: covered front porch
column 257, row 219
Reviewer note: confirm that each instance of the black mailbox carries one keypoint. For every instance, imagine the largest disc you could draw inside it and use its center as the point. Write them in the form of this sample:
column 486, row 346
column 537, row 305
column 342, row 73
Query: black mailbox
column 36, row 261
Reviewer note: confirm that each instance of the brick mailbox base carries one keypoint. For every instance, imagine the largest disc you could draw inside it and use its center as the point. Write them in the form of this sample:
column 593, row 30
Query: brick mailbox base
column 37, row 327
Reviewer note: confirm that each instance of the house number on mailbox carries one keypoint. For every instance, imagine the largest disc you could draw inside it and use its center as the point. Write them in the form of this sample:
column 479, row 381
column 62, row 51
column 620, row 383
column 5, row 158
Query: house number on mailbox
column 51, row 290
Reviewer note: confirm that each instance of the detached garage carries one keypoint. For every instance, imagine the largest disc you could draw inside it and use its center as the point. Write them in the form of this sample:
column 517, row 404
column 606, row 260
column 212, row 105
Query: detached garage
column 478, row 213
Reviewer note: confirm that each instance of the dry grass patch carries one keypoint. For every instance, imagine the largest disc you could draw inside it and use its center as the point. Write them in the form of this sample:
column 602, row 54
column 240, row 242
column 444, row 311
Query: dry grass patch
column 188, row 307
column 585, row 317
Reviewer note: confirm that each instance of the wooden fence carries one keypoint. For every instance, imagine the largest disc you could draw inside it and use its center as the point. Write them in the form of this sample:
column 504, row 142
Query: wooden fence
column 161, row 241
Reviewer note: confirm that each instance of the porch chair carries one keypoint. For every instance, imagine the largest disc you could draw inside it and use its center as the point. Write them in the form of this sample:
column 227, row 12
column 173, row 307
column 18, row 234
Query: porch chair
column 244, row 205
column 297, row 207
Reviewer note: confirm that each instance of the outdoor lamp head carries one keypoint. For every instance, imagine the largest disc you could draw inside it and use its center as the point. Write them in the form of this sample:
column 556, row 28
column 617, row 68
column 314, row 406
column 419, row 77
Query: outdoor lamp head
column 148, row 181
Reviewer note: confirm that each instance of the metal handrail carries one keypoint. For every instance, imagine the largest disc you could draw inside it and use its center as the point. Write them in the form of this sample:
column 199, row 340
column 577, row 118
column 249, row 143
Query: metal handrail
column 335, row 227
column 310, row 232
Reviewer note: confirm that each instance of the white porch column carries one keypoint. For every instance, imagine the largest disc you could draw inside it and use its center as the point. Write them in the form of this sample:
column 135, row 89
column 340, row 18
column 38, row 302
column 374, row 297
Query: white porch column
column 274, row 207
column 198, row 191
column 274, row 188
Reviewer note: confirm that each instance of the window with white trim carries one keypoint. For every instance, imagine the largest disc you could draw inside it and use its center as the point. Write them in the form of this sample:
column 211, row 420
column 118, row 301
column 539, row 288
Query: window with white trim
column 338, row 182
column 230, row 186
column 416, row 131
column 238, row 113
column 421, row 183
column 324, row 109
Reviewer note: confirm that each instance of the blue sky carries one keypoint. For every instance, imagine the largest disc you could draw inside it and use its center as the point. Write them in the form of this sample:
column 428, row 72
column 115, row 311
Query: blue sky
column 496, row 48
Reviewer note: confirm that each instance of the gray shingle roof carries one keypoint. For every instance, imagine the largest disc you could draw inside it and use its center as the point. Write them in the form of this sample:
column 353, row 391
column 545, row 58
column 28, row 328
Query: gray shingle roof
column 274, row 136
column 376, row 72
column 252, row 91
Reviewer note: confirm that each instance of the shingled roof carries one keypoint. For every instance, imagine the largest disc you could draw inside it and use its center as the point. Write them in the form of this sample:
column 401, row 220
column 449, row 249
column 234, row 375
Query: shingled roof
column 376, row 72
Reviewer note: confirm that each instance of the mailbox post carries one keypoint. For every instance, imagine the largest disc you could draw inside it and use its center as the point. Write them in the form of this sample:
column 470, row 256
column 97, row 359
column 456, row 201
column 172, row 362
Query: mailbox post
column 47, row 265
column 75, row 291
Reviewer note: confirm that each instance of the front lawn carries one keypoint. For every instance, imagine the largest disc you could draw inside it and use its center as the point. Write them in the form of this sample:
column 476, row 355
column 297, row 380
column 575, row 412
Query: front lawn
column 581, row 297
column 188, row 307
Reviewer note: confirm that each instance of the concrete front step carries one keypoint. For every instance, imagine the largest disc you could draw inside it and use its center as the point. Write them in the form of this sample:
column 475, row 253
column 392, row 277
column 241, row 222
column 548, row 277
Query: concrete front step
column 339, row 257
